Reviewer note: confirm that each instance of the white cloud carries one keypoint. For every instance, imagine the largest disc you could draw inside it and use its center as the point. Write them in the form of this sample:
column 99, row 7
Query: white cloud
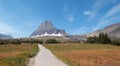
column 90, row 14
column 109, row 17
column 71, row 18
column 114, row 10
column 65, row 8
column 87, row 13
column 69, row 14
column 100, row 24
column 97, row 4
column 103, row 3
column 95, row 8
column 6, row 29
column 9, row 30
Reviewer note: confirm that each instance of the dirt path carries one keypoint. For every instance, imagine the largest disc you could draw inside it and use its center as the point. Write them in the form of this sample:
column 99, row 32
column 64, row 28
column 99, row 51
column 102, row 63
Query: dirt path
column 45, row 58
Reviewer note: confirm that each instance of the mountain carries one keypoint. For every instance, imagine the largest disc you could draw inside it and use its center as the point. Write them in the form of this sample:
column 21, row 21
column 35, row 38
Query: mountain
column 2, row 36
column 47, row 27
column 77, row 37
column 112, row 30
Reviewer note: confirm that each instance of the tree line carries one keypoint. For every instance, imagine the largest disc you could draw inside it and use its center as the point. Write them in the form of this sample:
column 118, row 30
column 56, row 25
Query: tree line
column 19, row 41
column 103, row 39
column 27, row 40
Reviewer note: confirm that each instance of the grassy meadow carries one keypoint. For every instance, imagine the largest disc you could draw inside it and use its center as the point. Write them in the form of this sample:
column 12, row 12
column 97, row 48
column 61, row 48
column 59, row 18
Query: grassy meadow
column 87, row 54
column 17, row 55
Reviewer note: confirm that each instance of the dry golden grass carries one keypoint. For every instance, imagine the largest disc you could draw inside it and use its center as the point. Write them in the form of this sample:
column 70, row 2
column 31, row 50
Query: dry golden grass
column 16, row 55
column 87, row 54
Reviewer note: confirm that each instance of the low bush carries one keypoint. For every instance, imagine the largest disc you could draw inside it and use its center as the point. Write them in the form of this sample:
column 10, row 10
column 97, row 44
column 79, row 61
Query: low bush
column 51, row 41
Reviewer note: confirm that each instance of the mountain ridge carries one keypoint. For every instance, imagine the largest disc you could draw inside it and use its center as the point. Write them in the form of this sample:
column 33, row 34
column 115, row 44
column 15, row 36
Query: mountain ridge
column 48, row 27
column 3, row 36
column 112, row 30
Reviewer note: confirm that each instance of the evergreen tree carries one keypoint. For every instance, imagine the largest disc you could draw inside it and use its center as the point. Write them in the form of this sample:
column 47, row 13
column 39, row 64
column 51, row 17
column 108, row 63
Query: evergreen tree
column 92, row 39
column 103, row 38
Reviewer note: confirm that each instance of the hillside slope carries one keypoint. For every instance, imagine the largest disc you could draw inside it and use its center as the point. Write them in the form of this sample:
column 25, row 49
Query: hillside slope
column 112, row 30
column 2, row 36
column 48, row 27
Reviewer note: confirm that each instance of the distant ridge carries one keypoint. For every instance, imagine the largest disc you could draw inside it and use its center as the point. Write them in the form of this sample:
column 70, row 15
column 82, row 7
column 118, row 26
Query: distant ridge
column 47, row 27
column 2, row 36
column 112, row 30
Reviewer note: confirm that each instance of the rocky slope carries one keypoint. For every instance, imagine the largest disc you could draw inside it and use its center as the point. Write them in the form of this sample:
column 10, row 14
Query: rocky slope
column 112, row 30
column 48, row 27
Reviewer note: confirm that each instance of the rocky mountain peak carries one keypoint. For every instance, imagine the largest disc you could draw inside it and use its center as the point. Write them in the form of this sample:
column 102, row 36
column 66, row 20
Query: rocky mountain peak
column 47, row 27
column 46, row 24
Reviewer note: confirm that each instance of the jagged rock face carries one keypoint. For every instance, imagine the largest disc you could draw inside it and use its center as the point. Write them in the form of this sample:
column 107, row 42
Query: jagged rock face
column 112, row 31
column 2, row 36
column 48, row 27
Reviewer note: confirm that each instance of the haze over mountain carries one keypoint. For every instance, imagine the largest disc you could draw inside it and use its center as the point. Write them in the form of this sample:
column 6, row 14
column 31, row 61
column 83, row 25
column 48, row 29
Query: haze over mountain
column 2, row 36
column 47, row 27
column 112, row 30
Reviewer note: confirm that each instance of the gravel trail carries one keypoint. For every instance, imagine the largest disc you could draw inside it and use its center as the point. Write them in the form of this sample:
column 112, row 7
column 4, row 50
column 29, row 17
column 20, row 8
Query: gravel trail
column 45, row 58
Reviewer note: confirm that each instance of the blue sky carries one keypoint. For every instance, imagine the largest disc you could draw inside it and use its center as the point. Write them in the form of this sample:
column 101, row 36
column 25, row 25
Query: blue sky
column 19, row 18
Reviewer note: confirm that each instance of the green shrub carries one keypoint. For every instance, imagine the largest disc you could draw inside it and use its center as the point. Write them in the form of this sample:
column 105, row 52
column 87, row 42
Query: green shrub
column 115, row 42
column 92, row 39
column 51, row 41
